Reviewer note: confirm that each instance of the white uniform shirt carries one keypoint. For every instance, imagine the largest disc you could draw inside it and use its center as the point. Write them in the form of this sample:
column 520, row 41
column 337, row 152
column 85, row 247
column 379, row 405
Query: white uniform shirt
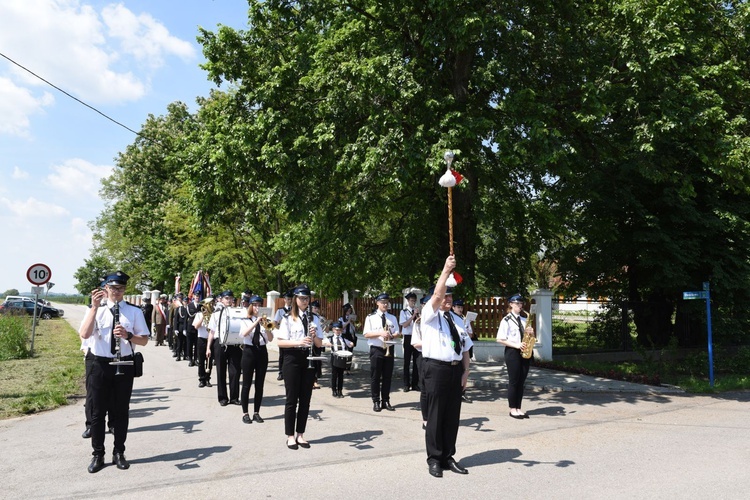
column 213, row 321
column 131, row 318
column 248, row 339
column 416, row 336
column 403, row 318
column 339, row 343
column 509, row 330
column 280, row 315
column 374, row 323
column 202, row 329
column 293, row 329
column 436, row 335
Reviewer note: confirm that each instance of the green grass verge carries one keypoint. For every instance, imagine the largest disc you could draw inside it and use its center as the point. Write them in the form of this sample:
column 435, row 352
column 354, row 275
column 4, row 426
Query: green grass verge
column 47, row 380
column 654, row 374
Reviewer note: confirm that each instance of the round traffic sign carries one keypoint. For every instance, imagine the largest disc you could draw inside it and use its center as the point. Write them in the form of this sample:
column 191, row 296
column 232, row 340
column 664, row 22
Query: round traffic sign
column 38, row 274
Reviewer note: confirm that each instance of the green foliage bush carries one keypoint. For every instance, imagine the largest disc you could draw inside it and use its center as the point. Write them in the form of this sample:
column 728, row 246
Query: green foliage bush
column 14, row 339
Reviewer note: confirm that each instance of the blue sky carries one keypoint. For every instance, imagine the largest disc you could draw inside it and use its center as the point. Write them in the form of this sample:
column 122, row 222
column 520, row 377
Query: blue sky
column 128, row 59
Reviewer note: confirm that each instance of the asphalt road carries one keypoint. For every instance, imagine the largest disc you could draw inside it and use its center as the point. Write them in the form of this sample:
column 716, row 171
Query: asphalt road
column 182, row 444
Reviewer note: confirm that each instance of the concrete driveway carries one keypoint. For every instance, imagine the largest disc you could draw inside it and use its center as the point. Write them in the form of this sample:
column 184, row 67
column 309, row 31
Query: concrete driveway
column 603, row 443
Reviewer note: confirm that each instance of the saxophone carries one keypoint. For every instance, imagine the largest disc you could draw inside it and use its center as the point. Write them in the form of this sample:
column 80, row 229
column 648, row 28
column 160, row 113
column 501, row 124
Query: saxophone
column 529, row 339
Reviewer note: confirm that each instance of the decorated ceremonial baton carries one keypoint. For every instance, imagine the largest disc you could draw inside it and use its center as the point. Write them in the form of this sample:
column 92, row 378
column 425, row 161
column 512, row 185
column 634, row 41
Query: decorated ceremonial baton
column 448, row 180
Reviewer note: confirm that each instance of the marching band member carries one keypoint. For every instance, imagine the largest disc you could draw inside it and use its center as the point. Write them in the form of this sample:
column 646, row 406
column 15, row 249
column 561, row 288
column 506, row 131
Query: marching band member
column 380, row 326
column 295, row 336
column 159, row 319
column 280, row 313
column 406, row 321
column 254, row 359
column 445, row 371
column 191, row 332
column 416, row 342
column 318, row 319
column 510, row 334
column 105, row 387
column 458, row 310
column 181, row 329
column 200, row 323
column 337, row 342
column 226, row 357
column 347, row 320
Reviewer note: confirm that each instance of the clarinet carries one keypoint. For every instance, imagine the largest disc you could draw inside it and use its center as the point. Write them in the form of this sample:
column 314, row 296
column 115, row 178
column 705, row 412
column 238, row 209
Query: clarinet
column 118, row 348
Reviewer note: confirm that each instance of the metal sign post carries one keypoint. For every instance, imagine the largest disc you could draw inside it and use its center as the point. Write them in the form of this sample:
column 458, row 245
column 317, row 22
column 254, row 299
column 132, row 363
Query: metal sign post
column 705, row 294
column 37, row 274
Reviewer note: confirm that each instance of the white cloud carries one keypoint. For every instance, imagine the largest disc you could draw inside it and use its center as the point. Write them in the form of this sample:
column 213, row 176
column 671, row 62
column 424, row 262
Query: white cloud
column 143, row 37
column 81, row 232
column 33, row 208
column 93, row 57
column 19, row 174
column 77, row 177
column 16, row 105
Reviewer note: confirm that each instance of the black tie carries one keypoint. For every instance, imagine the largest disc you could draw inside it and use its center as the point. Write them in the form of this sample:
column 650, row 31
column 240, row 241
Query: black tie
column 520, row 325
column 304, row 325
column 256, row 336
column 115, row 321
column 338, row 343
column 454, row 332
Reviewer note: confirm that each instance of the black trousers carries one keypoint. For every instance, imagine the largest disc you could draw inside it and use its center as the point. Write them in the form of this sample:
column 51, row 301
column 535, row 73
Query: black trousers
column 422, row 392
column 202, row 345
column 254, row 362
column 337, row 377
column 108, row 391
column 443, row 389
column 411, row 372
column 227, row 358
column 192, row 345
column 518, row 370
column 381, row 373
column 298, row 382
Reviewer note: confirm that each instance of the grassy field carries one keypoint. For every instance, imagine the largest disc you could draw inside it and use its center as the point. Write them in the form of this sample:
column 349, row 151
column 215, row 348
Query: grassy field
column 47, row 380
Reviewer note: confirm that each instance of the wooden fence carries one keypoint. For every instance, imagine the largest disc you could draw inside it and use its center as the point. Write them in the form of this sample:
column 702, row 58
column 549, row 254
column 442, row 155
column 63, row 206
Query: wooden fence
column 490, row 311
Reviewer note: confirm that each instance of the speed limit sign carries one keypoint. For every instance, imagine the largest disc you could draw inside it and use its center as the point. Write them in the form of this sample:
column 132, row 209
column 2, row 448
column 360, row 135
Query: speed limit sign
column 38, row 274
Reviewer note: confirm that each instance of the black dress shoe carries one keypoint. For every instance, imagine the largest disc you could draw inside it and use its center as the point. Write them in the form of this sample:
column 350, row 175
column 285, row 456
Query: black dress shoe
column 257, row 418
column 452, row 465
column 303, row 444
column 111, row 430
column 435, row 470
column 376, row 406
column 280, row 377
column 87, row 433
column 208, row 383
column 97, row 464
column 407, row 388
column 292, row 446
column 335, row 393
column 118, row 459
column 192, row 363
column 246, row 419
column 234, row 402
column 466, row 399
column 201, row 384
column 387, row 406
column 341, row 395
column 224, row 402
column 520, row 417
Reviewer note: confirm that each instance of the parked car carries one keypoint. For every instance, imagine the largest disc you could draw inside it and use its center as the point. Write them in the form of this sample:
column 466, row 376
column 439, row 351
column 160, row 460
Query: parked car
column 25, row 306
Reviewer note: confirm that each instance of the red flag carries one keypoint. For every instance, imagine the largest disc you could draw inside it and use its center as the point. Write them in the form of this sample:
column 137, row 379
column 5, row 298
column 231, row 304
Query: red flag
column 457, row 277
column 458, row 178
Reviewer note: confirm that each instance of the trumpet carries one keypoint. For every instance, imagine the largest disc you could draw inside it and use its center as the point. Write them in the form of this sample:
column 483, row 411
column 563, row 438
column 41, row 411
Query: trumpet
column 266, row 323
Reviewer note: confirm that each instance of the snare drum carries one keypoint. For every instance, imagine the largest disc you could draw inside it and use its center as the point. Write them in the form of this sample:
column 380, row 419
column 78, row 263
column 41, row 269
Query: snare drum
column 229, row 327
column 342, row 359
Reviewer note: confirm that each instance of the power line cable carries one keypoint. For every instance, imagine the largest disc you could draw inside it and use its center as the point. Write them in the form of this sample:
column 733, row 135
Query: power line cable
column 78, row 100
